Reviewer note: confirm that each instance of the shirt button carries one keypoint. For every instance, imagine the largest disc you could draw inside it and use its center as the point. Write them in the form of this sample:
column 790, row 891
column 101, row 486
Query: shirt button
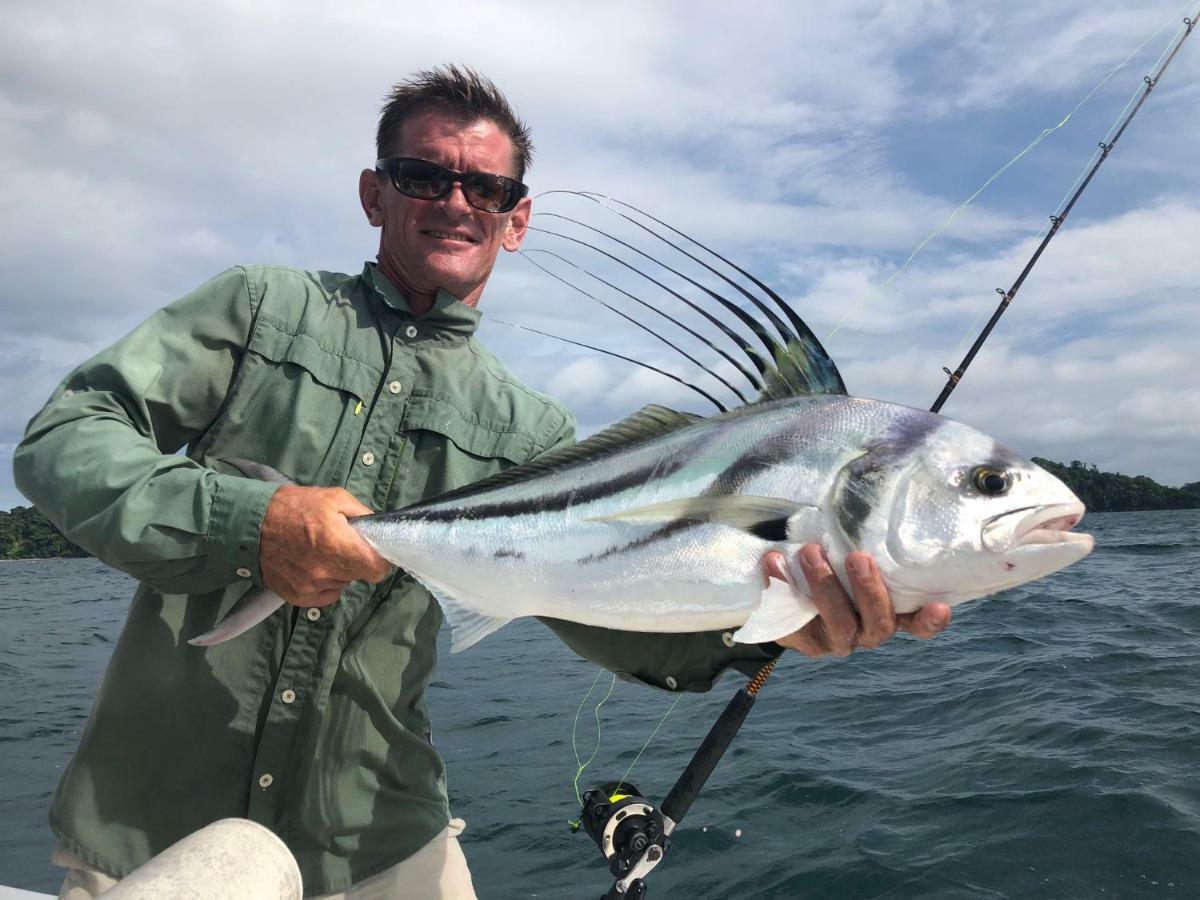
column 288, row 696
column 671, row 682
column 313, row 614
column 266, row 780
column 243, row 572
column 368, row 458
column 727, row 639
column 410, row 331
column 394, row 387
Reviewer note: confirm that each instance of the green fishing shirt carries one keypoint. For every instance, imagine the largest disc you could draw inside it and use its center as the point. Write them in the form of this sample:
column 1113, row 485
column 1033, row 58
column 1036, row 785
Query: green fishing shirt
column 313, row 723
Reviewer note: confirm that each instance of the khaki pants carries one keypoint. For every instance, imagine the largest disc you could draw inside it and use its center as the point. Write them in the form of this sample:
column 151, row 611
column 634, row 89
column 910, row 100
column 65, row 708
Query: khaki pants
column 438, row 871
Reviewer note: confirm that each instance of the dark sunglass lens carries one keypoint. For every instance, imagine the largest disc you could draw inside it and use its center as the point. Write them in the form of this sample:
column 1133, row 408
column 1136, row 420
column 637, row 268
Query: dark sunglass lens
column 491, row 193
column 421, row 179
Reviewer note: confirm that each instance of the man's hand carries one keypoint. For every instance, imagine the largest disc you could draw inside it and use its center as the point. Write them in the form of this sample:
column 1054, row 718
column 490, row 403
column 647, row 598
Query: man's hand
column 845, row 623
column 308, row 551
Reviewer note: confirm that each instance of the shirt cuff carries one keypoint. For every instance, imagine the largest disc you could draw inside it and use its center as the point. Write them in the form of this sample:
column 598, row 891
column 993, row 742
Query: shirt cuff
column 235, row 522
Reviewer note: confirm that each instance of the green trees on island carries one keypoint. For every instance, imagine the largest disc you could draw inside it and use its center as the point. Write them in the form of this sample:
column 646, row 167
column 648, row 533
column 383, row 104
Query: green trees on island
column 26, row 534
column 1113, row 492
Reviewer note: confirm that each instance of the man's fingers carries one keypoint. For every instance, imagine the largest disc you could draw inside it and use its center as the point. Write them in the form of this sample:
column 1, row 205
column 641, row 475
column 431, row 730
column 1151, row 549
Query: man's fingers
column 925, row 623
column 774, row 566
column 838, row 617
column 877, row 618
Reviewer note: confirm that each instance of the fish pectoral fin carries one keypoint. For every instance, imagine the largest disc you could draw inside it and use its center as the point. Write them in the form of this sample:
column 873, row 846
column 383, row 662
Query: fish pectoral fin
column 467, row 626
column 784, row 608
column 764, row 517
column 258, row 471
column 254, row 606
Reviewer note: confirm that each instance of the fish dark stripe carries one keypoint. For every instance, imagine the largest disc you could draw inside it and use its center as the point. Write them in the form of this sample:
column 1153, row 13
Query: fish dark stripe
column 773, row 530
column 762, row 454
column 858, row 493
column 552, row 502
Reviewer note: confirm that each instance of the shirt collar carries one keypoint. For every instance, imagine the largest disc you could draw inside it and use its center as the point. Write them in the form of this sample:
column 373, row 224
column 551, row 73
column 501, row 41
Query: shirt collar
column 447, row 316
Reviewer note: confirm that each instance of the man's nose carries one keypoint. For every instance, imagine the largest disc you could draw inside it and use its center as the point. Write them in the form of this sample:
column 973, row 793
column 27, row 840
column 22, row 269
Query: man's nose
column 455, row 202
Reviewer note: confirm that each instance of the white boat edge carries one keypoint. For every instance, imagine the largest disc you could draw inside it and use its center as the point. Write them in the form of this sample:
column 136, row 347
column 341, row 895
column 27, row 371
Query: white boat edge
column 11, row 893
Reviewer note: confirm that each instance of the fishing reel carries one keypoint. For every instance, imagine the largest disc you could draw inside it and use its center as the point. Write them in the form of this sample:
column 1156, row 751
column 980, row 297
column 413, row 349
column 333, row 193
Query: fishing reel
column 630, row 831
column 634, row 834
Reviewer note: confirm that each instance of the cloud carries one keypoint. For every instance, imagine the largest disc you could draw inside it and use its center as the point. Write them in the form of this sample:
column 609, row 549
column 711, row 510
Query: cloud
column 146, row 149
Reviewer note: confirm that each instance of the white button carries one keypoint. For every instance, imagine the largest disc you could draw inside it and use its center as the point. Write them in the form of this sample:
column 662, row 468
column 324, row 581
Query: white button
column 671, row 682
column 243, row 572
column 266, row 781
column 288, row 696
column 727, row 639
column 394, row 387
column 313, row 614
column 368, row 458
column 68, row 393
column 411, row 331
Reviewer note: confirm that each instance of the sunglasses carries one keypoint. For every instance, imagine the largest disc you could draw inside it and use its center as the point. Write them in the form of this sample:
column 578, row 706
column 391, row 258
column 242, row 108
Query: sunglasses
column 424, row 180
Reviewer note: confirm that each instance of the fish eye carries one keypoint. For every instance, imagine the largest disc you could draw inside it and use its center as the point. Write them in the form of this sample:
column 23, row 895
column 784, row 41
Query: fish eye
column 991, row 482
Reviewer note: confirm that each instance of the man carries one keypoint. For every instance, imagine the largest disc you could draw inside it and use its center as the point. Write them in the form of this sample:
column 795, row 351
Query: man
column 314, row 723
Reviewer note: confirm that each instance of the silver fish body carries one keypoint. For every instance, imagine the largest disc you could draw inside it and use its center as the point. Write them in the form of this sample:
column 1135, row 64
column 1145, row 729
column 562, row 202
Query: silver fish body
column 667, row 534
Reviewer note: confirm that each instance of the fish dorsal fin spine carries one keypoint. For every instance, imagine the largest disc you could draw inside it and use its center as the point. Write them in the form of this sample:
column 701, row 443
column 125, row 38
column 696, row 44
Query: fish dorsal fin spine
column 801, row 368
column 797, row 364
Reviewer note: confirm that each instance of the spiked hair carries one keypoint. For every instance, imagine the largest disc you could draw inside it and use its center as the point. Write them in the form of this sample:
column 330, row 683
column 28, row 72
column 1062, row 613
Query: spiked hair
column 458, row 92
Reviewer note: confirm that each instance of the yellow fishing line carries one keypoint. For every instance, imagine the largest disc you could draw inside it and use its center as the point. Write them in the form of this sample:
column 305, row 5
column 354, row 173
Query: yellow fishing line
column 584, row 765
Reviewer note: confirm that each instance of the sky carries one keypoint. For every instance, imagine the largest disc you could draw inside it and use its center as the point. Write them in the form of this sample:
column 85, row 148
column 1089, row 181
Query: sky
column 146, row 147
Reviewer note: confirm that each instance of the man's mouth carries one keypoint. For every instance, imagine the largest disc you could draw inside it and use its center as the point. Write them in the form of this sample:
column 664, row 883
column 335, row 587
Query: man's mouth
column 450, row 236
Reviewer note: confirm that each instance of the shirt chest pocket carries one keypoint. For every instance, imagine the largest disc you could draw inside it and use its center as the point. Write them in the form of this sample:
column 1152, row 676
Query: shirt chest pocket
column 451, row 449
column 296, row 406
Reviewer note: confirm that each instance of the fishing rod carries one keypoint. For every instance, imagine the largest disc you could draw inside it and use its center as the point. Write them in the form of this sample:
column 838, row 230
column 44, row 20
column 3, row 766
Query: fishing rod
column 1056, row 221
column 633, row 834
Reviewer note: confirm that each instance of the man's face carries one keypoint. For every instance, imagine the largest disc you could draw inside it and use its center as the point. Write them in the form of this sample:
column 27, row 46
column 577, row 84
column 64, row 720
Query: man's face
column 431, row 244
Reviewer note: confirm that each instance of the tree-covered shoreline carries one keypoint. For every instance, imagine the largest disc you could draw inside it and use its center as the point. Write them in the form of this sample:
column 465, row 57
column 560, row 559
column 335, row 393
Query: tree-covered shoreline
column 26, row 534
column 1114, row 492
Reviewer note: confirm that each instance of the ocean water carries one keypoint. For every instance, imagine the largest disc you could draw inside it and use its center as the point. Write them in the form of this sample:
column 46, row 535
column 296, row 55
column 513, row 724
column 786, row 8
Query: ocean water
column 1047, row 745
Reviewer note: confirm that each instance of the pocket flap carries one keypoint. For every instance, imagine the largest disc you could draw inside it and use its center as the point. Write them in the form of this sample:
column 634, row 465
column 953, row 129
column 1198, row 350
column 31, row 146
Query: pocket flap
column 330, row 369
column 480, row 439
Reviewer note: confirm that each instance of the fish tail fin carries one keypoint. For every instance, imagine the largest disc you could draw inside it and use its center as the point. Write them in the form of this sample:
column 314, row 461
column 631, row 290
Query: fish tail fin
column 254, row 607
column 782, row 610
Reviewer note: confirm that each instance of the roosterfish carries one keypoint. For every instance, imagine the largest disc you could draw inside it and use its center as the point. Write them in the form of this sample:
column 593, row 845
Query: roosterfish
column 659, row 522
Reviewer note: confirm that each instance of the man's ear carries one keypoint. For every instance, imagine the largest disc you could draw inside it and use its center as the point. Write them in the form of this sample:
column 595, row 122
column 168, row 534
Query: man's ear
column 518, row 224
column 369, row 194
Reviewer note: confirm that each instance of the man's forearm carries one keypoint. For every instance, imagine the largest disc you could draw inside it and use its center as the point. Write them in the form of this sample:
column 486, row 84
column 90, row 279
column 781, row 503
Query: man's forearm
column 99, row 459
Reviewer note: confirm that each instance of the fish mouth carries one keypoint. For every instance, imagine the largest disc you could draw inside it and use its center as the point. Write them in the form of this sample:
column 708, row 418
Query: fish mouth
column 1031, row 526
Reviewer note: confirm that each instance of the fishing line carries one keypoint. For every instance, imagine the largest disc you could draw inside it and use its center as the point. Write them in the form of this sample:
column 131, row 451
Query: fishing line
column 1004, row 168
column 584, row 765
column 625, row 777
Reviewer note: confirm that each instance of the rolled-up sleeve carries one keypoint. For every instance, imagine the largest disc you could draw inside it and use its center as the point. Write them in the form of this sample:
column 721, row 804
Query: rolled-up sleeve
column 101, row 460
